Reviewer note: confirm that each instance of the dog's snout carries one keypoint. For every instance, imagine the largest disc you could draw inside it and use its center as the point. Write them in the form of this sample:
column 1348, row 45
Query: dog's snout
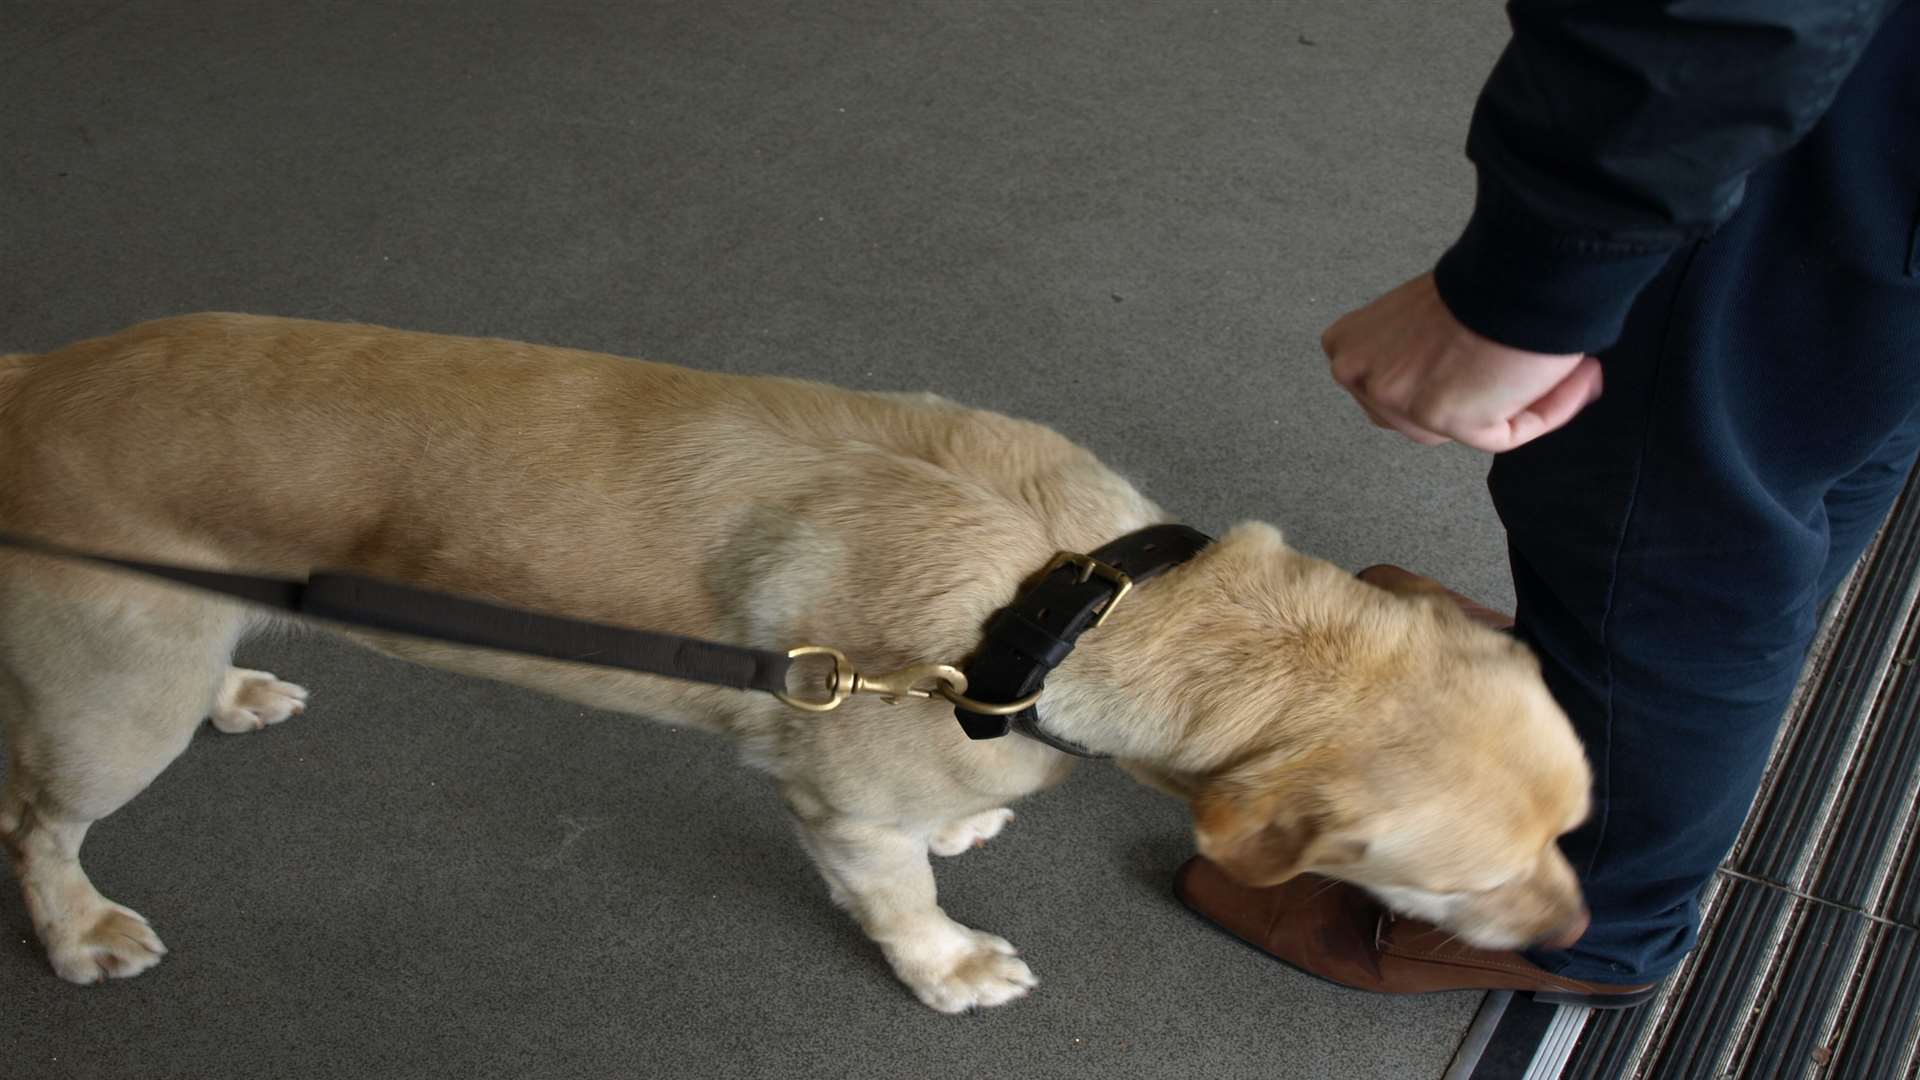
column 1568, row 932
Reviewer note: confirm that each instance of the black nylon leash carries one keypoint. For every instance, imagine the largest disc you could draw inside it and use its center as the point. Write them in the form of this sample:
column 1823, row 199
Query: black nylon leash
column 1022, row 641
column 373, row 604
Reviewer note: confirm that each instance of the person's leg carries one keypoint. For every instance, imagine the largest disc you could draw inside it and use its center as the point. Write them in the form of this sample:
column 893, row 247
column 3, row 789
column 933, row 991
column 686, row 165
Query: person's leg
column 1673, row 546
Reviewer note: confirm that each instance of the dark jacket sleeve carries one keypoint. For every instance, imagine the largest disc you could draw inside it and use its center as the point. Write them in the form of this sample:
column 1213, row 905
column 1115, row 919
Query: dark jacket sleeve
column 1613, row 132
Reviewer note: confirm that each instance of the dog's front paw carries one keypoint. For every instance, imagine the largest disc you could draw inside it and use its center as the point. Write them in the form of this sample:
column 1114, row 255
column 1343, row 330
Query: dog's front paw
column 962, row 969
column 969, row 833
column 250, row 700
column 111, row 943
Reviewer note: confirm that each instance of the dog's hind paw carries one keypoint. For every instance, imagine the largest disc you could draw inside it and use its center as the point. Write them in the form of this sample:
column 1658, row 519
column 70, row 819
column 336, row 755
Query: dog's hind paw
column 250, row 700
column 969, row 833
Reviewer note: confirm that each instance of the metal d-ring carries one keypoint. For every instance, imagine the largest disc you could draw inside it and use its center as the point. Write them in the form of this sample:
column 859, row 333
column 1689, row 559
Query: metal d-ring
column 987, row 708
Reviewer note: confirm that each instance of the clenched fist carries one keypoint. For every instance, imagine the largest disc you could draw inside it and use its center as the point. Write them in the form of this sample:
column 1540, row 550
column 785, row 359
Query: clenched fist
column 1414, row 368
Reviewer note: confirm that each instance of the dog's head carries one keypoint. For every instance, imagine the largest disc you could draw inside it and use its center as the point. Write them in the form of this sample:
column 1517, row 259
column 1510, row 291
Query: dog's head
column 1375, row 736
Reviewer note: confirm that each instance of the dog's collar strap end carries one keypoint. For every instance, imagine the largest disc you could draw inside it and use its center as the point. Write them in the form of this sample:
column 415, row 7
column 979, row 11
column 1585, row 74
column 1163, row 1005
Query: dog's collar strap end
column 1031, row 636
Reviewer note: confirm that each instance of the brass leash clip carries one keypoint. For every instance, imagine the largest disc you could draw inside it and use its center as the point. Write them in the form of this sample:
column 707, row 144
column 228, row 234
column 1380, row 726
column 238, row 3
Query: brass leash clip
column 917, row 681
column 926, row 680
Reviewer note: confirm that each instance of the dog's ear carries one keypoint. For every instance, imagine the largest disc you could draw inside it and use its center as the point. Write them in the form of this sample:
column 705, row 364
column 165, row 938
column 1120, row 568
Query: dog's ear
column 1263, row 834
column 1254, row 839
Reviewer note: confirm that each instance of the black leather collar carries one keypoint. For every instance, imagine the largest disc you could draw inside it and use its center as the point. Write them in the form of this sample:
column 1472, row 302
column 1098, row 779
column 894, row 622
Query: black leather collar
column 1031, row 636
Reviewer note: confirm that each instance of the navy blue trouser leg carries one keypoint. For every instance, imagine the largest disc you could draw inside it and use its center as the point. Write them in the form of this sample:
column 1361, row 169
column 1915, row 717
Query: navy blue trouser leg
column 1673, row 546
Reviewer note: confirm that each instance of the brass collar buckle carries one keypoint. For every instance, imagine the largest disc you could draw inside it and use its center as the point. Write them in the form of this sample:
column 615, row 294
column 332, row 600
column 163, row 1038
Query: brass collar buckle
column 1090, row 567
column 1032, row 636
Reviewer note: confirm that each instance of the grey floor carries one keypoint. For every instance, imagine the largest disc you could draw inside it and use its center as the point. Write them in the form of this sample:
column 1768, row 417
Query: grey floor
column 1127, row 219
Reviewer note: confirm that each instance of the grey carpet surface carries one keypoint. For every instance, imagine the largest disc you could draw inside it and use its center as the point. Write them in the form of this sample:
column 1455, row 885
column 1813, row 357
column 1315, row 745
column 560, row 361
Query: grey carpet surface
column 1129, row 220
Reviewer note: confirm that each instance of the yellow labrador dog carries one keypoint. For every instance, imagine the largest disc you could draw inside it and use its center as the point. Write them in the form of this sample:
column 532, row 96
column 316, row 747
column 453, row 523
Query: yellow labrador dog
column 1315, row 723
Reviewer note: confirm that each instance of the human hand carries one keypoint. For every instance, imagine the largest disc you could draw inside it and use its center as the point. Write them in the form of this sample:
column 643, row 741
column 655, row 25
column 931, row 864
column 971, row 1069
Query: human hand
column 1414, row 368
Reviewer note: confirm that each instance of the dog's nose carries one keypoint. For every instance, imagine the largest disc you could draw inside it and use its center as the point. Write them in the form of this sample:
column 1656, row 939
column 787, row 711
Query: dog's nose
column 1569, row 932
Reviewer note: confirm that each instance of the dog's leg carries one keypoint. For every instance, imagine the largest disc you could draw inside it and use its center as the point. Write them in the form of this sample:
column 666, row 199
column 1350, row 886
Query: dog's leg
column 250, row 700
column 98, row 694
column 881, row 875
column 87, row 936
column 968, row 833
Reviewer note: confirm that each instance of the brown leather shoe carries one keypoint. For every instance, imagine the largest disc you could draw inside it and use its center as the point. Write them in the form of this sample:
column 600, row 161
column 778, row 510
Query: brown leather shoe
column 1339, row 933
column 1395, row 579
